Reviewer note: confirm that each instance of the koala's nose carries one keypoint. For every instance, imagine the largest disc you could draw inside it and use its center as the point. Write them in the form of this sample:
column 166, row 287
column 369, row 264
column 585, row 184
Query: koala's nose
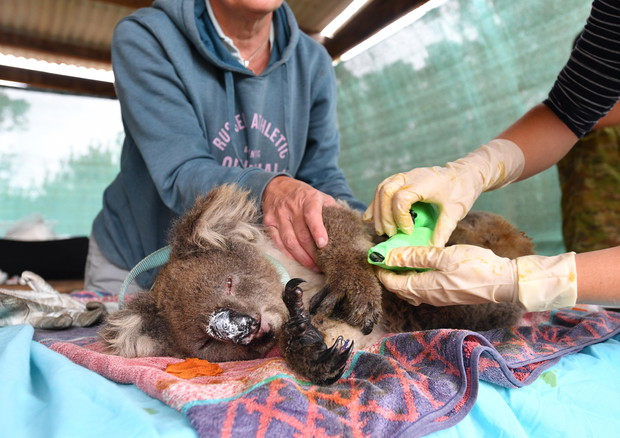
column 232, row 326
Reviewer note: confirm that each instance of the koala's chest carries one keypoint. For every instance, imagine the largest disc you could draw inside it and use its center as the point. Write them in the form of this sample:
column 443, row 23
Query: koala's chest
column 313, row 281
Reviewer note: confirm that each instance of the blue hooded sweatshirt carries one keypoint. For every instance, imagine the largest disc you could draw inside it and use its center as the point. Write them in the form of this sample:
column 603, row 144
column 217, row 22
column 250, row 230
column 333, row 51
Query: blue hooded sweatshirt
column 195, row 117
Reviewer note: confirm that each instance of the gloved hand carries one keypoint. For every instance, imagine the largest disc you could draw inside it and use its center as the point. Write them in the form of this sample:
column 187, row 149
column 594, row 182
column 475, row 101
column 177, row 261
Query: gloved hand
column 453, row 188
column 44, row 307
column 466, row 274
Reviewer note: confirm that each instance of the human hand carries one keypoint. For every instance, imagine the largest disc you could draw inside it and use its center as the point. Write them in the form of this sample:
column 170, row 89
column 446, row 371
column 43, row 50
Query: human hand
column 453, row 188
column 466, row 274
column 293, row 217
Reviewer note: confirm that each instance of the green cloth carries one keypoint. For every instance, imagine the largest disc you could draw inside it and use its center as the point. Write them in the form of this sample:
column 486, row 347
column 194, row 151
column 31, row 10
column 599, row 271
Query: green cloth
column 590, row 182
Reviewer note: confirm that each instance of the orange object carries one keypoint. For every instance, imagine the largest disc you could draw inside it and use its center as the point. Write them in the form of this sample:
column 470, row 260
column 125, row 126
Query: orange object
column 193, row 368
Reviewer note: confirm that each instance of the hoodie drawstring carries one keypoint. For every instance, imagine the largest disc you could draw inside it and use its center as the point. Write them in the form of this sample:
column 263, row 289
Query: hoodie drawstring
column 288, row 115
column 229, row 84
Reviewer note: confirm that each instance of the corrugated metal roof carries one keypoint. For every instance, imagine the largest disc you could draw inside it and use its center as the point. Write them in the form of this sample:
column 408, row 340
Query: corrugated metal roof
column 313, row 15
column 43, row 27
column 79, row 32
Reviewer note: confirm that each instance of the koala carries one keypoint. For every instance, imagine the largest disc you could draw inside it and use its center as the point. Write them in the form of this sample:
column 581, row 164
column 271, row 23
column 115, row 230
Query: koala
column 225, row 293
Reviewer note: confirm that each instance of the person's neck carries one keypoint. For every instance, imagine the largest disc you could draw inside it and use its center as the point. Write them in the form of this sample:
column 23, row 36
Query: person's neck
column 249, row 31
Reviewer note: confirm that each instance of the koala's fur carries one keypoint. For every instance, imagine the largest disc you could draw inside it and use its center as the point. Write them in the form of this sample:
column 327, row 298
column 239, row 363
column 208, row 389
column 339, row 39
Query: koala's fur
column 220, row 297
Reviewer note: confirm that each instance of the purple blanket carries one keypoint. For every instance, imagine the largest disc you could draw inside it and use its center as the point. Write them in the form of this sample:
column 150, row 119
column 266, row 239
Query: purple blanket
column 409, row 384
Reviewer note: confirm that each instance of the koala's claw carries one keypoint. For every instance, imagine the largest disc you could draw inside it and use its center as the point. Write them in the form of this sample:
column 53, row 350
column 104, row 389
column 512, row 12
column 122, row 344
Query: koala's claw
column 358, row 310
column 303, row 345
column 367, row 328
column 338, row 353
column 292, row 297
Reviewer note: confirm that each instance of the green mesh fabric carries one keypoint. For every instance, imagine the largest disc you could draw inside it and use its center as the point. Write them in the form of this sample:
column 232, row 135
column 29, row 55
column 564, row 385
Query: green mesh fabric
column 451, row 81
column 58, row 152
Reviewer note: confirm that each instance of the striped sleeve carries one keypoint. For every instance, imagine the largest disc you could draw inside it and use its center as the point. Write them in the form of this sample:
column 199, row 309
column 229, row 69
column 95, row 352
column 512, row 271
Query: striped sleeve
column 589, row 84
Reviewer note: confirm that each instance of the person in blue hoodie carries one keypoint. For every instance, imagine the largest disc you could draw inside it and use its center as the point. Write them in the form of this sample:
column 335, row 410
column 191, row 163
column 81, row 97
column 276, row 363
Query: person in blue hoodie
column 215, row 92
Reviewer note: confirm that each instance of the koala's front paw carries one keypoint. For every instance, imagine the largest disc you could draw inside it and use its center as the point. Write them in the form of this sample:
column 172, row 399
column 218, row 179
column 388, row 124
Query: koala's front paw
column 302, row 344
column 353, row 298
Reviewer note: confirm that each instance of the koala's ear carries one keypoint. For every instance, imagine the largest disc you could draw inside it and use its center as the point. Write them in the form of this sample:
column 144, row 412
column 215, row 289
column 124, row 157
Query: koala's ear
column 126, row 334
column 225, row 213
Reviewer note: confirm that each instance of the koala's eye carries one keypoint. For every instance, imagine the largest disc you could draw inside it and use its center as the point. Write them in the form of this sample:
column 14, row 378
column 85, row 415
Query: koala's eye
column 229, row 284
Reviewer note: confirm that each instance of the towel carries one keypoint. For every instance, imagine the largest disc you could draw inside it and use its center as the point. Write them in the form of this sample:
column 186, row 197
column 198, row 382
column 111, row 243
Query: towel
column 408, row 384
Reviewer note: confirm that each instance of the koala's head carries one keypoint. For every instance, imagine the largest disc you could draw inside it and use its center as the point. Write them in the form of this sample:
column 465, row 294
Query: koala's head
column 219, row 294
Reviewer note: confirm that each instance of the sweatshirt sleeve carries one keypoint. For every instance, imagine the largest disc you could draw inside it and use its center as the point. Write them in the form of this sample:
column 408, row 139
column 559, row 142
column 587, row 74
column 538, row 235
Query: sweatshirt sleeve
column 162, row 122
column 589, row 84
column 319, row 166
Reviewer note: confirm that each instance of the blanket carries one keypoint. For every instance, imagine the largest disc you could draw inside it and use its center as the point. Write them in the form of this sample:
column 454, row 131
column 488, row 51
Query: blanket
column 409, row 384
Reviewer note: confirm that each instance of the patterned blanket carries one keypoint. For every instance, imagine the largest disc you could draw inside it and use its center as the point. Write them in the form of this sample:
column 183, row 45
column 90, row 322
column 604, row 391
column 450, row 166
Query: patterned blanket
column 409, row 384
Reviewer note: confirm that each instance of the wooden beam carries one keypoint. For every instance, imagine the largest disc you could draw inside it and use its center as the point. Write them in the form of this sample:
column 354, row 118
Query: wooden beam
column 372, row 18
column 54, row 47
column 50, row 81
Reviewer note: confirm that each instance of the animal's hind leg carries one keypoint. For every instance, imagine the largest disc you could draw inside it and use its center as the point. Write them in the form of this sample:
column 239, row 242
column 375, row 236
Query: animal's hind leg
column 492, row 231
column 302, row 344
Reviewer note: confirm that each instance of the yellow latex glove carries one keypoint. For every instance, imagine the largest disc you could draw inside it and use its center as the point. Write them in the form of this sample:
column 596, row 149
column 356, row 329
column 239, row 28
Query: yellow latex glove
column 466, row 274
column 453, row 188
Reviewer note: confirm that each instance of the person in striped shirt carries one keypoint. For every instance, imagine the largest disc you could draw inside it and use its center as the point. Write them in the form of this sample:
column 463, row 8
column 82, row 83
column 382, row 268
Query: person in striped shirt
column 585, row 90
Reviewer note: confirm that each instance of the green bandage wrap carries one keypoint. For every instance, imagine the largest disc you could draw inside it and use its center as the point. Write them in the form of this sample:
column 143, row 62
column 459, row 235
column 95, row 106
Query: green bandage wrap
column 424, row 217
